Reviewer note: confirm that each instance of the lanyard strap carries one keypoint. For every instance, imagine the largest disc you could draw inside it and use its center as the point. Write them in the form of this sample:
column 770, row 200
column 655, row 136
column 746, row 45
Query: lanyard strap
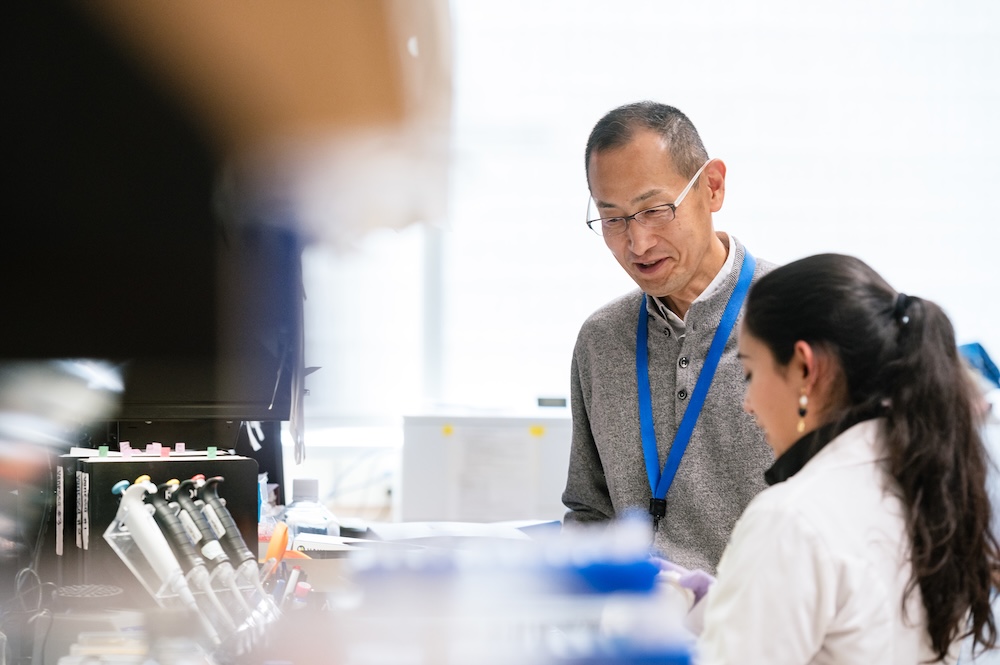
column 660, row 483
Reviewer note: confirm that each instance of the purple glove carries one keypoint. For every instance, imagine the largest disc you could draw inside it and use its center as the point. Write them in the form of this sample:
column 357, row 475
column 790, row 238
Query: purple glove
column 698, row 581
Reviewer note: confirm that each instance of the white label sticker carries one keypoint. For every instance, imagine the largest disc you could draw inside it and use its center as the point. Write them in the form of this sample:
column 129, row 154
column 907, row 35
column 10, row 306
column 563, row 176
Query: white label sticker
column 212, row 550
column 194, row 535
column 60, row 508
column 79, row 508
column 213, row 521
column 85, row 509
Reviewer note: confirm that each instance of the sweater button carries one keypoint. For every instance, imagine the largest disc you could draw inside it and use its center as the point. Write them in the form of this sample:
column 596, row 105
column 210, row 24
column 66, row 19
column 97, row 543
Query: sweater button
column 683, row 362
column 666, row 331
column 682, row 394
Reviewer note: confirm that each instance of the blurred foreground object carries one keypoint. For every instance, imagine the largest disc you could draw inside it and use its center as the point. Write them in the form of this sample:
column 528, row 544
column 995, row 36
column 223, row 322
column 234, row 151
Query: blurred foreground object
column 341, row 110
column 142, row 134
column 167, row 161
column 44, row 402
column 170, row 160
column 582, row 598
column 43, row 408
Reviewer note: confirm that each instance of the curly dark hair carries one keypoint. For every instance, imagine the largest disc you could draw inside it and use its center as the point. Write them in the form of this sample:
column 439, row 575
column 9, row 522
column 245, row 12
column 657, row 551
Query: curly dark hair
column 899, row 359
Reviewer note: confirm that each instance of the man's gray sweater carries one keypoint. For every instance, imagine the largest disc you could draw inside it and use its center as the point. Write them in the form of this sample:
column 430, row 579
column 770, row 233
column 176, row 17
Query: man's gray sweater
column 723, row 466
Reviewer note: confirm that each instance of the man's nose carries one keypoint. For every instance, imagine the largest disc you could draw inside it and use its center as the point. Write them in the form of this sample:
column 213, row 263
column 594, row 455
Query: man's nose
column 640, row 237
column 746, row 403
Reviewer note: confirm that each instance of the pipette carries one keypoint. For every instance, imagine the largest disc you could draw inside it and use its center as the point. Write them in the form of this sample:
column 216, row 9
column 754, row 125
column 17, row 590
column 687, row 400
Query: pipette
column 190, row 560
column 222, row 522
column 134, row 514
column 208, row 543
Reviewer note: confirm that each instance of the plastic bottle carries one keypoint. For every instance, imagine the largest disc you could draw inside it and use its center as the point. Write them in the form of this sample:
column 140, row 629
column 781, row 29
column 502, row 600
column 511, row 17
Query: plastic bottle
column 305, row 514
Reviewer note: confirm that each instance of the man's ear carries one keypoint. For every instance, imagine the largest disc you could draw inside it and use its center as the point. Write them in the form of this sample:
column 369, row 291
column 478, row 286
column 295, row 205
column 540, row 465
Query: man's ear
column 715, row 175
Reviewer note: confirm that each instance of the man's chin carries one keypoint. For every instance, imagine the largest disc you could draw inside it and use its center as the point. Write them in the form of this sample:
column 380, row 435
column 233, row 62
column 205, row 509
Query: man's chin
column 654, row 287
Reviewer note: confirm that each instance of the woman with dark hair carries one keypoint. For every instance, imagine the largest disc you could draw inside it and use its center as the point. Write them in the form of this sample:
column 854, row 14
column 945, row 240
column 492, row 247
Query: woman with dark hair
column 872, row 544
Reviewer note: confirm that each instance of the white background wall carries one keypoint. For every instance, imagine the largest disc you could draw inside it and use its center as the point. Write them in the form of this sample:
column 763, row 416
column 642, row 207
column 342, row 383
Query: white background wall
column 857, row 126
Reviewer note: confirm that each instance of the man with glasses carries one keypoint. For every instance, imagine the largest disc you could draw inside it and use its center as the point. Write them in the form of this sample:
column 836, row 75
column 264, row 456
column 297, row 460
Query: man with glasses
column 657, row 388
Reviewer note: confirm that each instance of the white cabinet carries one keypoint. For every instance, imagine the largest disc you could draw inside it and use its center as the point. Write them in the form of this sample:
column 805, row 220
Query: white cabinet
column 471, row 468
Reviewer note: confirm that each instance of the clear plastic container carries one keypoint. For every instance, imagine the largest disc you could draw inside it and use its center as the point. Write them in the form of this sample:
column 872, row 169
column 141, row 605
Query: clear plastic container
column 305, row 514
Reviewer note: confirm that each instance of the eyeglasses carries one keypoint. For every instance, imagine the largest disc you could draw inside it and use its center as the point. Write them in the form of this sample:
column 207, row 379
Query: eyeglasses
column 650, row 218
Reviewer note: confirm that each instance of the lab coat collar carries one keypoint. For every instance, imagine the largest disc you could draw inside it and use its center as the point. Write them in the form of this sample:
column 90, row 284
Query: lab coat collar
column 806, row 448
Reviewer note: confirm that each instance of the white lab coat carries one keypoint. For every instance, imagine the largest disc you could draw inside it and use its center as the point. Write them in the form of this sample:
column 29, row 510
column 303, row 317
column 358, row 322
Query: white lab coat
column 816, row 567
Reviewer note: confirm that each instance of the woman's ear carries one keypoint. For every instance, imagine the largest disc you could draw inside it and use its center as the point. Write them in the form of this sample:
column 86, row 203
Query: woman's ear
column 803, row 365
column 821, row 376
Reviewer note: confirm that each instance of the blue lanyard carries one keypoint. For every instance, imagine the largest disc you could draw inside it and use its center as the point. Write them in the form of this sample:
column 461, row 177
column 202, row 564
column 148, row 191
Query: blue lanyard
column 660, row 483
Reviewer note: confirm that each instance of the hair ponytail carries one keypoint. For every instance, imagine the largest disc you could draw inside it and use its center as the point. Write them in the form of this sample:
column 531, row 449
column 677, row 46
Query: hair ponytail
column 939, row 461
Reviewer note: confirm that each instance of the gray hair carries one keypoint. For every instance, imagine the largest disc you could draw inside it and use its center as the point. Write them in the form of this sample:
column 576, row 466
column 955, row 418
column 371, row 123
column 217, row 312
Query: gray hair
column 618, row 126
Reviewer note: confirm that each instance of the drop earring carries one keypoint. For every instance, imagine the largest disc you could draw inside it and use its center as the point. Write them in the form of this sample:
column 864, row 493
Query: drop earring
column 803, row 403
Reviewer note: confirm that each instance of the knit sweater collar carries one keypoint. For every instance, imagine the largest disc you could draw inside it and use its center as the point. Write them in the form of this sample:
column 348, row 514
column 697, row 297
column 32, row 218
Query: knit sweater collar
column 714, row 298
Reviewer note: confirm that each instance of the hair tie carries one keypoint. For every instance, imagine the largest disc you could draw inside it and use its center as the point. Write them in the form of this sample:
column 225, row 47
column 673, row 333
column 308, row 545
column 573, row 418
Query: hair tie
column 899, row 310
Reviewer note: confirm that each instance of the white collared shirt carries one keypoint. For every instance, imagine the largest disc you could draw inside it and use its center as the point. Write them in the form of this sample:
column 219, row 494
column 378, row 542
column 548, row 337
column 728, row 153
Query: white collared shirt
column 676, row 322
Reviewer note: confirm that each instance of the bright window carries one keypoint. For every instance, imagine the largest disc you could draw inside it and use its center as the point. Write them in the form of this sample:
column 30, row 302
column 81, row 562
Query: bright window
column 860, row 127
